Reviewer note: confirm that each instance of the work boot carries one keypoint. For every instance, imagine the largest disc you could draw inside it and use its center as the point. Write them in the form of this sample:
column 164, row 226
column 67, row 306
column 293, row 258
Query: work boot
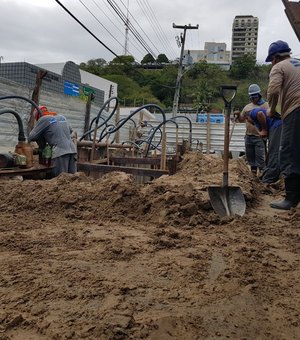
column 254, row 170
column 291, row 201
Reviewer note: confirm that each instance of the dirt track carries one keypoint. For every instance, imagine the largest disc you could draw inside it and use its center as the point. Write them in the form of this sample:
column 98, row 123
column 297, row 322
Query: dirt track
column 110, row 259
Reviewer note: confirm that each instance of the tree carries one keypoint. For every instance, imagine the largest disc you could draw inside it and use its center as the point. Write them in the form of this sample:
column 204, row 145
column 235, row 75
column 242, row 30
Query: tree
column 123, row 59
column 243, row 66
column 94, row 66
column 123, row 64
column 130, row 93
column 97, row 62
column 162, row 58
column 162, row 84
column 148, row 58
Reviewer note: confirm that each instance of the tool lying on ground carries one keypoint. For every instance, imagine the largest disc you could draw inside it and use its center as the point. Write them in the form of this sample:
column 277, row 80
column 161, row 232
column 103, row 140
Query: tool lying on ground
column 227, row 200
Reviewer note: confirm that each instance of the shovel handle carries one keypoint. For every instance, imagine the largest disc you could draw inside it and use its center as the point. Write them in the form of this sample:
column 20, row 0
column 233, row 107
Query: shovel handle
column 227, row 102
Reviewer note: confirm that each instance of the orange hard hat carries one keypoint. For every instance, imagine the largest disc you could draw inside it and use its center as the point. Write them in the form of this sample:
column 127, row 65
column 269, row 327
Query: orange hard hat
column 44, row 111
column 37, row 115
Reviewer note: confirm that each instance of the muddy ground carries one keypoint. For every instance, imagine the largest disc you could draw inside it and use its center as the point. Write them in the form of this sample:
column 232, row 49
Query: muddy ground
column 112, row 259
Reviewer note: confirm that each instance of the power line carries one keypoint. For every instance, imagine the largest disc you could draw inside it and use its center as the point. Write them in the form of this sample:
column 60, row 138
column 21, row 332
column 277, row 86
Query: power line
column 159, row 31
column 91, row 33
column 100, row 23
column 131, row 27
column 117, row 17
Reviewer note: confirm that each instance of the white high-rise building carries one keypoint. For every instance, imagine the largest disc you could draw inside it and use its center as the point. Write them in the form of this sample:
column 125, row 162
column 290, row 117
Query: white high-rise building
column 244, row 36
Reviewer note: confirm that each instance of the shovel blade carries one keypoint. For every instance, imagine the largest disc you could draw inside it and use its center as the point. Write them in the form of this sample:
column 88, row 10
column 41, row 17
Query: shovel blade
column 227, row 200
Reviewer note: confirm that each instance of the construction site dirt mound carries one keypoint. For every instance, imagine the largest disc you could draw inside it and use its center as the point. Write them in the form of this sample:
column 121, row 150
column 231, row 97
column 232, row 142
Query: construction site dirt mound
column 113, row 259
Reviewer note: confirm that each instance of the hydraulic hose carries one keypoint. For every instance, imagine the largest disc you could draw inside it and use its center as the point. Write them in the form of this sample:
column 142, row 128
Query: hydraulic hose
column 99, row 116
column 27, row 100
column 190, row 123
column 121, row 123
column 149, row 142
column 21, row 136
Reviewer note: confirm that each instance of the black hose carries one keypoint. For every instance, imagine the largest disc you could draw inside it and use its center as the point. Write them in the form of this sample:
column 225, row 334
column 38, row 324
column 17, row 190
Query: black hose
column 99, row 116
column 27, row 100
column 149, row 141
column 190, row 123
column 21, row 136
column 119, row 125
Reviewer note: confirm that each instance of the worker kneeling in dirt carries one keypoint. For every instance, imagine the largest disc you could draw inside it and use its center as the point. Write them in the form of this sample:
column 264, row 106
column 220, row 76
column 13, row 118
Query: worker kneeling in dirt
column 53, row 131
column 270, row 131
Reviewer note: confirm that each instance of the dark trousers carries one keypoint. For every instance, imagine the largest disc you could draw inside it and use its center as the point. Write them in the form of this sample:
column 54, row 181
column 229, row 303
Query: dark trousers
column 66, row 163
column 289, row 152
column 272, row 171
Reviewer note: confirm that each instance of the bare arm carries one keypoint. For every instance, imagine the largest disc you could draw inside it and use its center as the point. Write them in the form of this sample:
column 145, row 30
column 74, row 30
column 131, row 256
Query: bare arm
column 263, row 123
column 274, row 87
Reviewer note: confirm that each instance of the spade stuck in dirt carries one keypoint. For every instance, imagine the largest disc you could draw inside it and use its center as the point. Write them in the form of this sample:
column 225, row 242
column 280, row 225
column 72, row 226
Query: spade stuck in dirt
column 227, row 200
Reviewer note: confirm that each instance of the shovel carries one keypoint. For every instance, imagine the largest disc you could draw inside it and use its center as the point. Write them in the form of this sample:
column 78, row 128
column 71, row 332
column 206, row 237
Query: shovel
column 227, row 200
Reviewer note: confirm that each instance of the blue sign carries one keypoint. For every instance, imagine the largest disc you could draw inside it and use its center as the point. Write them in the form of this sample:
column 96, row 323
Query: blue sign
column 71, row 89
column 215, row 118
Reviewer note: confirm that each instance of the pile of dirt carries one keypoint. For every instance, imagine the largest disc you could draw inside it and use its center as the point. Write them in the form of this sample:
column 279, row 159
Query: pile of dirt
column 180, row 199
column 113, row 259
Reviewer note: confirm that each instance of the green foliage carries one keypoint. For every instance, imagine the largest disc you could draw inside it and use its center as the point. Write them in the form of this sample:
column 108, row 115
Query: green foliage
column 243, row 67
column 94, row 66
column 130, row 93
column 163, row 83
column 123, row 59
column 200, row 83
column 162, row 58
column 148, row 58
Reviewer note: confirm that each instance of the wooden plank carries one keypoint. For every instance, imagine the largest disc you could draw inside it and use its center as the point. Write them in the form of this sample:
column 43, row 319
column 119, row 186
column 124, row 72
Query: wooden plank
column 22, row 172
column 109, row 168
column 86, row 143
column 135, row 160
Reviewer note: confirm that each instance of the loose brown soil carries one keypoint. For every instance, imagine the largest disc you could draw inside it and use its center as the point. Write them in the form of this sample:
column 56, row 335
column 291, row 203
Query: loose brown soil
column 112, row 259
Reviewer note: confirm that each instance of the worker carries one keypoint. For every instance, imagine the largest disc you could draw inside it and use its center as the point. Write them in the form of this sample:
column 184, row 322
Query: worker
column 140, row 131
column 269, row 130
column 53, row 130
column 254, row 145
column 284, row 89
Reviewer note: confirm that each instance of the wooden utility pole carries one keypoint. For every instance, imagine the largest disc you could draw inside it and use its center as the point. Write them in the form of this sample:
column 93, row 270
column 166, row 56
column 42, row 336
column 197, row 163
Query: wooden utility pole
column 180, row 66
column 35, row 97
column 88, row 114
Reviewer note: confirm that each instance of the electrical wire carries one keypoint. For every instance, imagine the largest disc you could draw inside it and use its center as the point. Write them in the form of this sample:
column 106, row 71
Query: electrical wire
column 139, row 26
column 100, row 23
column 132, row 29
column 111, row 21
column 91, row 33
column 156, row 25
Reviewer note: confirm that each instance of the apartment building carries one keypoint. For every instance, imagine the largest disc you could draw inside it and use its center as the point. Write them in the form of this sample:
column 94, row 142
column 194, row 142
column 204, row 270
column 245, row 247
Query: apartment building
column 244, row 36
column 213, row 53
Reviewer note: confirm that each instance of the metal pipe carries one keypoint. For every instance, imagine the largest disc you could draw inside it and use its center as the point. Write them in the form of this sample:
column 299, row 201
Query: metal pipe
column 87, row 143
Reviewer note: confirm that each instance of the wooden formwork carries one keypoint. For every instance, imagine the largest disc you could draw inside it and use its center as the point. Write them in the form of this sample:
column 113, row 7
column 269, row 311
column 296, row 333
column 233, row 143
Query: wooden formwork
column 122, row 157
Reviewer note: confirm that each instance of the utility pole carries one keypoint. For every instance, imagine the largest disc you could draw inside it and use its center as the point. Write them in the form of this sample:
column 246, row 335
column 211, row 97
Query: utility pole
column 180, row 66
column 126, row 31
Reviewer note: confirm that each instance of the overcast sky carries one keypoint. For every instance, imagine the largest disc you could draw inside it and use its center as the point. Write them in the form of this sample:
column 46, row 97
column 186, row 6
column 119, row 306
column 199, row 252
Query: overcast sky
column 40, row 31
